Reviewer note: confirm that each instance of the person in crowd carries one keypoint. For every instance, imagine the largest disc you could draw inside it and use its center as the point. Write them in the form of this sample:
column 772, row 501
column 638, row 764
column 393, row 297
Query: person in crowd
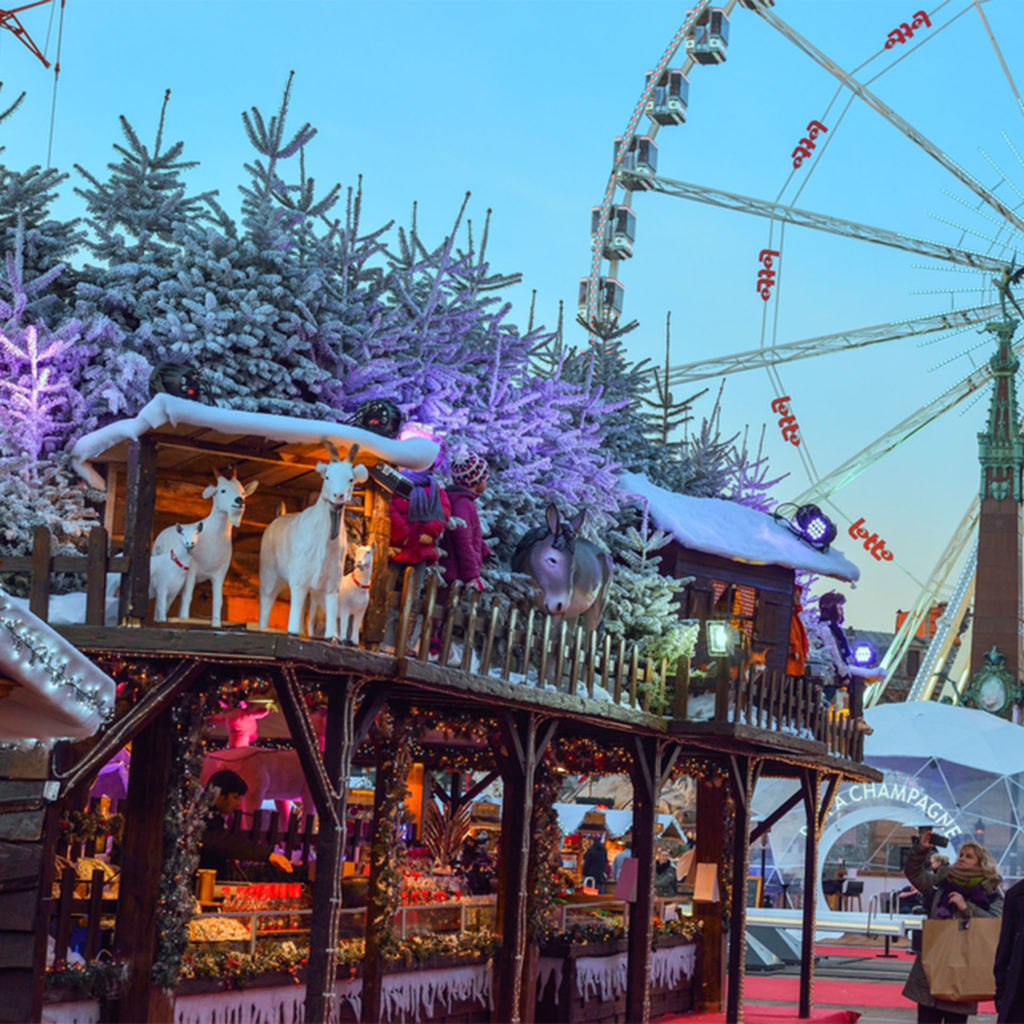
column 476, row 865
column 218, row 845
column 831, row 638
column 595, row 861
column 967, row 888
column 1009, row 954
column 620, row 858
column 664, row 875
column 464, row 545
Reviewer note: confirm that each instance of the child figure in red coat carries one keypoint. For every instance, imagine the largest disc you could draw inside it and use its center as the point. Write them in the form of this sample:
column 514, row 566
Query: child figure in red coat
column 417, row 521
column 465, row 547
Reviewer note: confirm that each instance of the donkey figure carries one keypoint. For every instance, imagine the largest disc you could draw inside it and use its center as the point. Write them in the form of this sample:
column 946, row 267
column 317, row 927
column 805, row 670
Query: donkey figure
column 573, row 574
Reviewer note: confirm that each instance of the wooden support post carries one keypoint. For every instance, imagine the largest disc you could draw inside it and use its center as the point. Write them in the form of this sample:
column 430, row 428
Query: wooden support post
column 523, row 744
column 742, row 781
column 135, row 937
column 647, row 772
column 378, row 533
column 711, row 813
column 339, row 746
column 138, row 529
column 681, row 690
column 39, row 585
column 96, row 577
column 816, row 809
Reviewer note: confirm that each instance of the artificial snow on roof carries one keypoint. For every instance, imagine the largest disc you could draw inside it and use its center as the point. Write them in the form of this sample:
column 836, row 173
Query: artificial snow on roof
column 166, row 410
column 726, row 528
column 58, row 693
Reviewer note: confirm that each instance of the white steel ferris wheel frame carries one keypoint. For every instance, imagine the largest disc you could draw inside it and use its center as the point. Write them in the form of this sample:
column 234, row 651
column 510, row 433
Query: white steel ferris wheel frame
column 824, row 487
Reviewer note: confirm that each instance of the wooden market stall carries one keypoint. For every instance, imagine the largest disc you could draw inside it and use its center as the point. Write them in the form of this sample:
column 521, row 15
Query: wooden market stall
column 505, row 696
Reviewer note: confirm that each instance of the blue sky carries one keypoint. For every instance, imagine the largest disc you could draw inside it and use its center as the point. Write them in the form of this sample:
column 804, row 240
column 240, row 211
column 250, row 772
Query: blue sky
column 518, row 103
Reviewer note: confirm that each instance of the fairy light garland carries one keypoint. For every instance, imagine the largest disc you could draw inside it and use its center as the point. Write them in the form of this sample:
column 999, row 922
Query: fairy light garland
column 41, row 654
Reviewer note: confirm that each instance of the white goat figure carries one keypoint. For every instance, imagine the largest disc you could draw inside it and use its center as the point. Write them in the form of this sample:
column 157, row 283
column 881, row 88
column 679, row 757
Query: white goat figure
column 305, row 551
column 170, row 562
column 354, row 593
column 211, row 558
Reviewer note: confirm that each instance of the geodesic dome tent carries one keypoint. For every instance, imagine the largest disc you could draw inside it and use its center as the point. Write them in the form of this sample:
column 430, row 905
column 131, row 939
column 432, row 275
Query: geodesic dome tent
column 957, row 770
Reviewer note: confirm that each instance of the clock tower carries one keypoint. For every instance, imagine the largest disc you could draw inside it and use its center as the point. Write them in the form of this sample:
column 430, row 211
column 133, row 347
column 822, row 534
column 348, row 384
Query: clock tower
column 996, row 628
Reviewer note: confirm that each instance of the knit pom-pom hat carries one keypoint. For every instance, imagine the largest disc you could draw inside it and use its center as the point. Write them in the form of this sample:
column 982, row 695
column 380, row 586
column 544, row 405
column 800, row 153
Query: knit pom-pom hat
column 469, row 470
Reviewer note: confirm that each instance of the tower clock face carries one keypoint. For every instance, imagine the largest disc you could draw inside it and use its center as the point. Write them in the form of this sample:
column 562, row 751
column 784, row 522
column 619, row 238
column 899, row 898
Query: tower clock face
column 990, row 693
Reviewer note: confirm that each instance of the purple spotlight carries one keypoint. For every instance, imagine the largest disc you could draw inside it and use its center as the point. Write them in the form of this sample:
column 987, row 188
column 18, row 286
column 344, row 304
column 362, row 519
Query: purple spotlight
column 815, row 527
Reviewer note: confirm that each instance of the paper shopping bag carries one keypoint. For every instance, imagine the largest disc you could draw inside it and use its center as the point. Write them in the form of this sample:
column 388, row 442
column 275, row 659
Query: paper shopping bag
column 957, row 956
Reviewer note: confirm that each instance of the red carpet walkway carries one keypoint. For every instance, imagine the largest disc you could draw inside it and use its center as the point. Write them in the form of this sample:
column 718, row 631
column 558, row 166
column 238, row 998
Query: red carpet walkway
column 774, row 998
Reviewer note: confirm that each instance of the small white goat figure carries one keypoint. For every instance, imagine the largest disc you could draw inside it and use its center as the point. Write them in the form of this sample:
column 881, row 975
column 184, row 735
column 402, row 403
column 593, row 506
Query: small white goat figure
column 170, row 563
column 354, row 593
column 305, row 551
column 211, row 558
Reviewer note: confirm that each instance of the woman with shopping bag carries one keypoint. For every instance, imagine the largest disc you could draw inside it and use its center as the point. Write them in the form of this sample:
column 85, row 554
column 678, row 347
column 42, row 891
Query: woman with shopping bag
column 954, row 968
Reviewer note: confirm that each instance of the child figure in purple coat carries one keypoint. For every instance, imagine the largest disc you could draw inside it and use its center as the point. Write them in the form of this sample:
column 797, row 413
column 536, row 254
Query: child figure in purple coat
column 465, row 547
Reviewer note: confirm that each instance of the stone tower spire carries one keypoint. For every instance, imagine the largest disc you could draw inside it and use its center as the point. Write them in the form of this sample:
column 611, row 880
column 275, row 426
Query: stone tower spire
column 996, row 654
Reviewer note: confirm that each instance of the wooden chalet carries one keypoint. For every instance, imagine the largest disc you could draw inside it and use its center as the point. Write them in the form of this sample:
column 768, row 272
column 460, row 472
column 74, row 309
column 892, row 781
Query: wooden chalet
column 528, row 688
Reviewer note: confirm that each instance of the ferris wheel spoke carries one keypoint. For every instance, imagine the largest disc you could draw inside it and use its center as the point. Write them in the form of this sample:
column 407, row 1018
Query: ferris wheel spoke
column 841, row 341
column 891, row 116
column 906, row 428
column 810, row 219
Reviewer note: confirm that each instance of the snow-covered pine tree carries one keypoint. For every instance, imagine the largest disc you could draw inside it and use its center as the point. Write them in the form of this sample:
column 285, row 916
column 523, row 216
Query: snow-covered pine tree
column 643, row 604
column 448, row 354
column 135, row 220
column 43, row 241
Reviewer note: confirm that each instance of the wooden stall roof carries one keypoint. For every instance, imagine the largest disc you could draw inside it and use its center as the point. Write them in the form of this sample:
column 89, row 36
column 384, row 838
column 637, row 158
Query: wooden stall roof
column 193, row 439
column 733, row 531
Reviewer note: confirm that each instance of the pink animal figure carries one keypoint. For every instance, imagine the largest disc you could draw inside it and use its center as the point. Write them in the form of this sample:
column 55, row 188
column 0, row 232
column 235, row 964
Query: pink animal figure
column 241, row 725
column 305, row 551
column 211, row 558
column 270, row 774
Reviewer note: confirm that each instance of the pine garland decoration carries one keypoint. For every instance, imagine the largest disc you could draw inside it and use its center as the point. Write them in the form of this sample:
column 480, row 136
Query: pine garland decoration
column 188, row 806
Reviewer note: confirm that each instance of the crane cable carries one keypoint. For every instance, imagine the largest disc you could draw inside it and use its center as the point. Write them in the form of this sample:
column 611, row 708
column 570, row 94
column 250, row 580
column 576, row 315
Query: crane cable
column 56, row 80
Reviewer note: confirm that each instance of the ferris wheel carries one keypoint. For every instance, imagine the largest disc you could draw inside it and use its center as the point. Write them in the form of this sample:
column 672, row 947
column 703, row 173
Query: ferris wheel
column 792, row 236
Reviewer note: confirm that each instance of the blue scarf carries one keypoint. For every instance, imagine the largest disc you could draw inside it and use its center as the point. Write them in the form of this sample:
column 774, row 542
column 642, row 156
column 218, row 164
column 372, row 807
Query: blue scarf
column 425, row 499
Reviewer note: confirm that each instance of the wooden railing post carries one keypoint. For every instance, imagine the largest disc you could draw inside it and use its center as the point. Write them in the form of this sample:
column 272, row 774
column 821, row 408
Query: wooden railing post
column 39, row 584
column 96, row 577
column 681, row 690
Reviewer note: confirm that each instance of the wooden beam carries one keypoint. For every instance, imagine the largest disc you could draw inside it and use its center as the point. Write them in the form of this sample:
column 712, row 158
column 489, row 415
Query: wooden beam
column 780, row 812
column 149, row 707
column 138, row 529
column 235, row 455
column 307, row 746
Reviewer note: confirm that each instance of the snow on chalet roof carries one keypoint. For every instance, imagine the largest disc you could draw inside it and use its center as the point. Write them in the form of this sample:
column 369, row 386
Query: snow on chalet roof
column 189, row 419
column 725, row 528
column 58, row 693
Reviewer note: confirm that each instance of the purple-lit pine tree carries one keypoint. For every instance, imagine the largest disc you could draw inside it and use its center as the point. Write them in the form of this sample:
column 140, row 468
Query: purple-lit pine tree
column 40, row 408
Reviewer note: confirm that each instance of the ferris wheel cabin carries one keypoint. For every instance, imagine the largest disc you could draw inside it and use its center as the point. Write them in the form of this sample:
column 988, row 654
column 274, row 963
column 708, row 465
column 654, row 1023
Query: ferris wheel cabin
column 708, row 37
column 641, row 156
column 669, row 98
column 619, row 235
column 609, row 301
